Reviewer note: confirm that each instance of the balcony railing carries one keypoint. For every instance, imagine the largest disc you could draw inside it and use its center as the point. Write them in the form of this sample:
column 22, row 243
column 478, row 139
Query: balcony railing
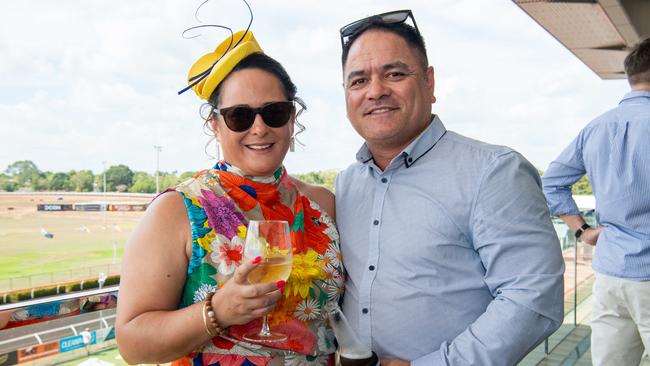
column 34, row 331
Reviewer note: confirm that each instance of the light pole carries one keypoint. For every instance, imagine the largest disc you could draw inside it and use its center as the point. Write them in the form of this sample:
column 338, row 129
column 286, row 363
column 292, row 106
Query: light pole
column 105, row 203
column 158, row 150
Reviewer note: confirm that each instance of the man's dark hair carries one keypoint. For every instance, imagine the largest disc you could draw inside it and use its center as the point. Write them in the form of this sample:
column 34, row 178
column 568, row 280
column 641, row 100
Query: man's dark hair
column 407, row 32
column 264, row 63
column 637, row 63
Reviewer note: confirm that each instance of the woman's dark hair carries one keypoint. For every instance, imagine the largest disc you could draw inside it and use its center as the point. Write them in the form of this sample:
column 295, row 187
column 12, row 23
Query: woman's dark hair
column 637, row 63
column 264, row 63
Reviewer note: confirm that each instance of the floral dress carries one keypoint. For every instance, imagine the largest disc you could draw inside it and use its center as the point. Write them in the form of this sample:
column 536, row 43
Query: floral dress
column 219, row 203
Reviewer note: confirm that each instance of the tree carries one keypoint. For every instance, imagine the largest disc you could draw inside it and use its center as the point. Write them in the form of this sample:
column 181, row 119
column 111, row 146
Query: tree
column 118, row 175
column 321, row 178
column 39, row 182
column 582, row 187
column 143, row 183
column 187, row 175
column 168, row 180
column 59, row 182
column 311, row 177
column 7, row 183
column 82, row 181
column 24, row 173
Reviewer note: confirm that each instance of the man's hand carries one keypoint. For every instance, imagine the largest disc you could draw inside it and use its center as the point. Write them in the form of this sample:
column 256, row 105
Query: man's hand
column 386, row 362
column 590, row 236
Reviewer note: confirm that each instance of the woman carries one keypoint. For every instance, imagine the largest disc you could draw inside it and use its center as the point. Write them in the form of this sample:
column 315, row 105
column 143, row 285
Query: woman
column 189, row 243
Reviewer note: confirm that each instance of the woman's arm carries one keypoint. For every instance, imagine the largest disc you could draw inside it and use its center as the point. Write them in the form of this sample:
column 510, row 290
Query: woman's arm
column 150, row 328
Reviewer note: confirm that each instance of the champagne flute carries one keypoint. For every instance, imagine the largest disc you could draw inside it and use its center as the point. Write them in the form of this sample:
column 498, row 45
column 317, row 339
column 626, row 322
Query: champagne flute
column 270, row 240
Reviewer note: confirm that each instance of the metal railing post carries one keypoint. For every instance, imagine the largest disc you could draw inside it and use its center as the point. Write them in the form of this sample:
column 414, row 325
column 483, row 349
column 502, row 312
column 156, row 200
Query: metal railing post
column 575, row 284
column 546, row 346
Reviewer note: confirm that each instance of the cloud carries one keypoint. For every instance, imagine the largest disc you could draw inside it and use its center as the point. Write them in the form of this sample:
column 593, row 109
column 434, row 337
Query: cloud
column 85, row 82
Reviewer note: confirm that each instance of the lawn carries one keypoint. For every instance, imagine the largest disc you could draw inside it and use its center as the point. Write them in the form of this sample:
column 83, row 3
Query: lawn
column 111, row 355
column 82, row 245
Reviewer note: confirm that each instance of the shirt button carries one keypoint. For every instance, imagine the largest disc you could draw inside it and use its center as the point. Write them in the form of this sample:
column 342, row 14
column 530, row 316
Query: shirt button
column 365, row 311
column 384, row 180
column 376, row 222
column 410, row 160
column 372, row 268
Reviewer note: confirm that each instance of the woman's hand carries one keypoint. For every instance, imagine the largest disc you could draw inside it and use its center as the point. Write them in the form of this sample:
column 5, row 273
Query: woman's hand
column 239, row 302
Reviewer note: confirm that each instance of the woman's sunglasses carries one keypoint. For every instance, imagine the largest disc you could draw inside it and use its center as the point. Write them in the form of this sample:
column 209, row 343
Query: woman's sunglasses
column 241, row 118
column 392, row 17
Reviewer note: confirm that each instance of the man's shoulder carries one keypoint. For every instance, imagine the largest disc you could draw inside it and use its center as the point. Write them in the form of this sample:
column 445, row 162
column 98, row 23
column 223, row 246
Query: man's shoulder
column 617, row 115
column 466, row 146
column 349, row 172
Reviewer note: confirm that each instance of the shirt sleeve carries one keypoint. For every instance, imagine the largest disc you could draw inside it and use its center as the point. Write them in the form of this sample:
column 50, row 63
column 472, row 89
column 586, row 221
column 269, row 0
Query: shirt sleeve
column 561, row 174
column 512, row 233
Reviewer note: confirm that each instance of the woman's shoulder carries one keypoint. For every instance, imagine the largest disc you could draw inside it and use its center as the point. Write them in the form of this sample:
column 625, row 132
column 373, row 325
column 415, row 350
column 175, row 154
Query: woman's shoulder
column 167, row 210
column 321, row 195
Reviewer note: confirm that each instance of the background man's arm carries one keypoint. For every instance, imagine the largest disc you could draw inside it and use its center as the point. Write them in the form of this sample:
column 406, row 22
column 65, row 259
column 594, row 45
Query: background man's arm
column 561, row 174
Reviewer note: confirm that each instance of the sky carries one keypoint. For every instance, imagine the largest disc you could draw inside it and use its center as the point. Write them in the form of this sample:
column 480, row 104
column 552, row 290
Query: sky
column 93, row 81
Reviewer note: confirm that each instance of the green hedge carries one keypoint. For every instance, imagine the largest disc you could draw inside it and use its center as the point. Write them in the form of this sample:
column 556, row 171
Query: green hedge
column 42, row 292
column 26, row 294
column 112, row 280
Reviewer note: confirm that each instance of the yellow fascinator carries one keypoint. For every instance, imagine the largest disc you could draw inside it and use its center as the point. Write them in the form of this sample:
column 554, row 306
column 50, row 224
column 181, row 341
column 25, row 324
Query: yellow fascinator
column 210, row 70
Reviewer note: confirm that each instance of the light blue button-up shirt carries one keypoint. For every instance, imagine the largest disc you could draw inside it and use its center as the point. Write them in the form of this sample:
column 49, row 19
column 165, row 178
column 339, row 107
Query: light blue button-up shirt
column 450, row 252
column 614, row 151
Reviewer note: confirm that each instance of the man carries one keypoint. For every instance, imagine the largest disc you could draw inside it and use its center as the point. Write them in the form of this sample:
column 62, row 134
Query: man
column 614, row 151
column 451, row 255
column 86, row 338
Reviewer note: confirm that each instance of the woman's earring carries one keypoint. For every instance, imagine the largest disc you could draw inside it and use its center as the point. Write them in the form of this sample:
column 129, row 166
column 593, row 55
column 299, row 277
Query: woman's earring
column 292, row 144
column 216, row 142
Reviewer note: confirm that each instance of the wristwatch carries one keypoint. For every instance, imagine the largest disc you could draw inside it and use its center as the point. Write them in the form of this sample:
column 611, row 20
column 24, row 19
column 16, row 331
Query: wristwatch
column 581, row 230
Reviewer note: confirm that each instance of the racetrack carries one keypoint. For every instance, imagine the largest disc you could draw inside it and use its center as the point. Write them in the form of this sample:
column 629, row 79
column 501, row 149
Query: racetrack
column 82, row 240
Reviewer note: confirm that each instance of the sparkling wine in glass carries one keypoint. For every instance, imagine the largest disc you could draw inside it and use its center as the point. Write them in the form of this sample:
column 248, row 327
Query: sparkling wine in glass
column 271, row 241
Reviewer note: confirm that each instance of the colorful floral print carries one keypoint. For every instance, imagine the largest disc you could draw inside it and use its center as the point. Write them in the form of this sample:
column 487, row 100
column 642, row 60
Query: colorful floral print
column 219, row 203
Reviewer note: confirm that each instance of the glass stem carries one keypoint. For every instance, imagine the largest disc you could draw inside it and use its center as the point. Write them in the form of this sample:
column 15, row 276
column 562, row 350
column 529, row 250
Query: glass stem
column 265, row 331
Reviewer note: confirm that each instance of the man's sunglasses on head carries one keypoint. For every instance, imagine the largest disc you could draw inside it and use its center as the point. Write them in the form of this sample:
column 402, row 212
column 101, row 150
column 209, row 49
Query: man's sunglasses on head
column 391, row 17
column 240, row 118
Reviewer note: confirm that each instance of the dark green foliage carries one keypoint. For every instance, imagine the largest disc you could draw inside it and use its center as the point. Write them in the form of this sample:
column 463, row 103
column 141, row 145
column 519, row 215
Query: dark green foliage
column 91, row 284
column 321, row 178
column 118, row 176
column 24, row 295
column 42, row 292
column 582, row 187
column 112, row 280
column 24, row 174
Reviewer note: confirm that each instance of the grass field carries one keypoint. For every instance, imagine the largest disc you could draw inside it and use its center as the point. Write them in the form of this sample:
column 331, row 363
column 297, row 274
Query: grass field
column 111, row 356
column 83, row 241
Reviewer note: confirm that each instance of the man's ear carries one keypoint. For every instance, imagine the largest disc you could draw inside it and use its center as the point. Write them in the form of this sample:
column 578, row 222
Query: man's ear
column 431, row 83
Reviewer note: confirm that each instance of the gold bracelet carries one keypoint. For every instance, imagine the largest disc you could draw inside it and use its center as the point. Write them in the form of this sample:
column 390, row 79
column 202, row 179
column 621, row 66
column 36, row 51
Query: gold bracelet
column 205, row 323
column 212, row 326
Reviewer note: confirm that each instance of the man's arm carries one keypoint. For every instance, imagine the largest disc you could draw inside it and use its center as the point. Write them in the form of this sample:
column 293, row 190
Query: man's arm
column 561, row 174
column 513, row 234
column 574, row 222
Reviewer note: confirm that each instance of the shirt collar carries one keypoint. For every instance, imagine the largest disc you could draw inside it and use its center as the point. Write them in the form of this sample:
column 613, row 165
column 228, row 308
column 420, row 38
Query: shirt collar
column 635, row 94
column 416, row 149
